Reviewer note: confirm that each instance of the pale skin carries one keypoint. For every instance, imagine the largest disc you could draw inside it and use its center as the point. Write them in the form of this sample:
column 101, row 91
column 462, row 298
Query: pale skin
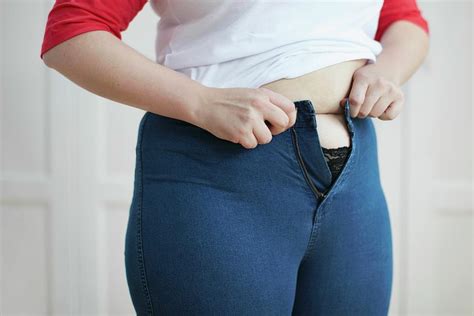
column 102, row 64
column 376, row 87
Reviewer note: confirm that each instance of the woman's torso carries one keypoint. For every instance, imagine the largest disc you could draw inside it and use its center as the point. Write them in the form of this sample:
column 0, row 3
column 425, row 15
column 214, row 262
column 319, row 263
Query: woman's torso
column 325, row 88
column 306, row 49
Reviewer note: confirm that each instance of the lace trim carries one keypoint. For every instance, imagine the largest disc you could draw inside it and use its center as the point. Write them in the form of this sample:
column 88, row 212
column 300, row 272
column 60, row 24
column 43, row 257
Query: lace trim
column 336, row 158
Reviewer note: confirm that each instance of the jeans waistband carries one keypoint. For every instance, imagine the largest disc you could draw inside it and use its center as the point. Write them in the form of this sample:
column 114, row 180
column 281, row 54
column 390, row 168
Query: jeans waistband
column 306, row 115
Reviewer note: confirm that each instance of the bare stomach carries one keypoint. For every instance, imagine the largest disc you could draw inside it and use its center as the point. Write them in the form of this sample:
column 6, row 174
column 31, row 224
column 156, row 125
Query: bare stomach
column 325, row 88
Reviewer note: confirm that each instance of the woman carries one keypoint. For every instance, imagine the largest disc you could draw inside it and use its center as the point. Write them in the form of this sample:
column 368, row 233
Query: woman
column 257, row 186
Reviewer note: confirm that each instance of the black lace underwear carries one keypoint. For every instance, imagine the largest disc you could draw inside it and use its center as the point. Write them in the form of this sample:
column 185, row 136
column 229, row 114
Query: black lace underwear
column 336, row 158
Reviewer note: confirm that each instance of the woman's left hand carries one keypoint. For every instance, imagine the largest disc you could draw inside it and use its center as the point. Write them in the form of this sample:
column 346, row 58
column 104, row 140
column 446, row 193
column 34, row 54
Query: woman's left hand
column 373, row 94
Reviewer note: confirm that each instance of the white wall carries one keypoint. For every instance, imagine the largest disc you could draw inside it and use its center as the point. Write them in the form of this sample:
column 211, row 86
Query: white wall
column 67, row 159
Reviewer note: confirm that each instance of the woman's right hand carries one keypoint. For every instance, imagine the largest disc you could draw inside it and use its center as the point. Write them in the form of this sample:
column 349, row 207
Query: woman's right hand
column 240, row 115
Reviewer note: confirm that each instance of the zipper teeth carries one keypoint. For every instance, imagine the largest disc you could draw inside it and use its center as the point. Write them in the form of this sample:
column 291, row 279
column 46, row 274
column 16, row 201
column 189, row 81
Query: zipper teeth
column 305, row 171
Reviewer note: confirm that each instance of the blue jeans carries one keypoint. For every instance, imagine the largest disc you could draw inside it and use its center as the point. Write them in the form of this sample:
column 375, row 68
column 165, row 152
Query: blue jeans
column 218, row 229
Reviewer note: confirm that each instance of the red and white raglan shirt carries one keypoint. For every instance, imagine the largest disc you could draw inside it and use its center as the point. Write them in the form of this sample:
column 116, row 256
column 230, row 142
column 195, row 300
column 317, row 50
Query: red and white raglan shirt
column 242, row 43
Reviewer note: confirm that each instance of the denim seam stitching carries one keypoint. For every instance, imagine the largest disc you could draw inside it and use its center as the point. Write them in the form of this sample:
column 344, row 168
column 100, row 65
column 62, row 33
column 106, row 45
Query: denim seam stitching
column 313, row 236
column 314, row 230
column 320, row 215
column 303, row 174
column 321, row 210
column 140, row 255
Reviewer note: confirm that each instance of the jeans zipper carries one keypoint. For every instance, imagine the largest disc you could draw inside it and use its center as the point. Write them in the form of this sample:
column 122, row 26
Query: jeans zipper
column 319, row 195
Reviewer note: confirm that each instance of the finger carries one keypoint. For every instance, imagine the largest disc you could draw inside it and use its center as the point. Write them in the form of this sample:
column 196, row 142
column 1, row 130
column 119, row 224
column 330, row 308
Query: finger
column 381, row 105
column 279, row 100
column 392, row 111
column 373, row 95
column 357, row 96
column 262, row 133
column 277, row 118
column 249, row 141
column 292, row 116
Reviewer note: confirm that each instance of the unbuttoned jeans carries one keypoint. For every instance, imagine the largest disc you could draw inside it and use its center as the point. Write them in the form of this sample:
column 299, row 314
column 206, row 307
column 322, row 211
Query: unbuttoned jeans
column 218, row 229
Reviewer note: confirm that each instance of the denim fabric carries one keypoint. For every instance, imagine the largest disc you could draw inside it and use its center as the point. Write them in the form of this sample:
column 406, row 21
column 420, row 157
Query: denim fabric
column 218, row 229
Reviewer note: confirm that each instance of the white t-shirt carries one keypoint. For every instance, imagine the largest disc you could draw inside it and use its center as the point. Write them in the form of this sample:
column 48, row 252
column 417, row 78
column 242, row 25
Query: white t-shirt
column 224, row 43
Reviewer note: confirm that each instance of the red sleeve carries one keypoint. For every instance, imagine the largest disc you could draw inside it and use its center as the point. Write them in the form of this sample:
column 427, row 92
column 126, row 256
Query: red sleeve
column 69, row 18
column 394, row 10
